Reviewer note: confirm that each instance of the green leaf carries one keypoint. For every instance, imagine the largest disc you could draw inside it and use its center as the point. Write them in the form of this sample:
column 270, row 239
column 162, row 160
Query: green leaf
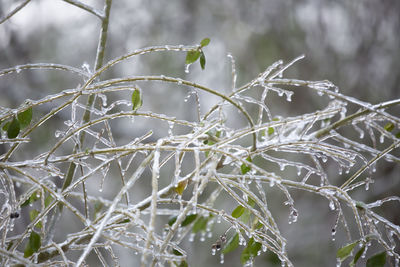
column 32, row 215
column 398, row 135
column 136, row 99
column 202, row 61
column 250, row 251
column 181, row 187
column 176, row 252
column 25, row 117
column 34, row 196
column 245, row 168
column 271, row 130
column 200, row 225
column 48, row 201
column 98, row 205
column 357, row 256
column 33, row 244
column 345, row 251
column 232, row 244
column 172, row 220
column 238, row 211
column 192, row 56
column 251, row 202
column 183, row 264
column 204, row 42
column 6, row 125
column 189, row 219
column 13, row 129
column 378, row 260
column 389, row 127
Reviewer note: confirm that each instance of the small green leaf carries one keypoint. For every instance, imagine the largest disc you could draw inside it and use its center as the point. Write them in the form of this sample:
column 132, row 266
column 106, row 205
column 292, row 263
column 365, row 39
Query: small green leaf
column 232, row 244
column 202, row 61
column 6, row 125
column 176, row 252
column 245, row 168
column 33, row 245
column 181, row 187
column 98, row 205
column 32, row 215
column 238, row 211
column 250, row 251
column 357, row 256
column 389, row 127
column 172, row 220
column 183, row 264
column 271, row 130
column 378, row 260
column 204, row 42
column 124, row 221
column 13, row 129
column 275, row 119
column 34, row 196
column 398, row 135
column 48, row 201
column 189, row 219
column 192, row 56
column 25, row 117
column 136, row 99
column 200, row 225
column 345, row 251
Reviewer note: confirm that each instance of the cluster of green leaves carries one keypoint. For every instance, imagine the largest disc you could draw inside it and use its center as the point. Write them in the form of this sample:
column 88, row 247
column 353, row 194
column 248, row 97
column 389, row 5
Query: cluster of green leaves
column 193, row 55
column 14, row 126
column 199, row 225
column 34, row 241
column 377, row 260
column 253, row 247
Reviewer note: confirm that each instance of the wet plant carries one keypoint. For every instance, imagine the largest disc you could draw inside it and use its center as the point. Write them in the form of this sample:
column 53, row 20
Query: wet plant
column 187, row 168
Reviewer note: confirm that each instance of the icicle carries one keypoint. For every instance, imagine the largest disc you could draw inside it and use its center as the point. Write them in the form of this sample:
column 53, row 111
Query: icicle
column 221, row 261
column 289, row 96
column 382, row 139
column 171, row 125
column 293, row 215
column 187, row 68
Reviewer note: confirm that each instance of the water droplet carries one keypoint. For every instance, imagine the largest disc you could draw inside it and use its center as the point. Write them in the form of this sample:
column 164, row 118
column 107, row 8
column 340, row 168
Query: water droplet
column 213, row 251
column 58, row 133
column 17, row 69
column 191, row 237
column 333, row 234
column 382, row 139
column 332, row 205
column 222, row 260
column 271, row 182
column 282, row 167
column 202, row 236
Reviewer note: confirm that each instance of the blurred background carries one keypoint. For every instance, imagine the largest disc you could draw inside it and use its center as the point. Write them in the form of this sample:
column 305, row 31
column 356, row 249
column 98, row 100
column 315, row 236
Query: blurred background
column 354, row 44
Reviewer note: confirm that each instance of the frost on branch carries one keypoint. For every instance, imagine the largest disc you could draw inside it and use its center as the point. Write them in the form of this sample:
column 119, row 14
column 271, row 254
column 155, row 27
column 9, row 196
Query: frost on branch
column 119, row 186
